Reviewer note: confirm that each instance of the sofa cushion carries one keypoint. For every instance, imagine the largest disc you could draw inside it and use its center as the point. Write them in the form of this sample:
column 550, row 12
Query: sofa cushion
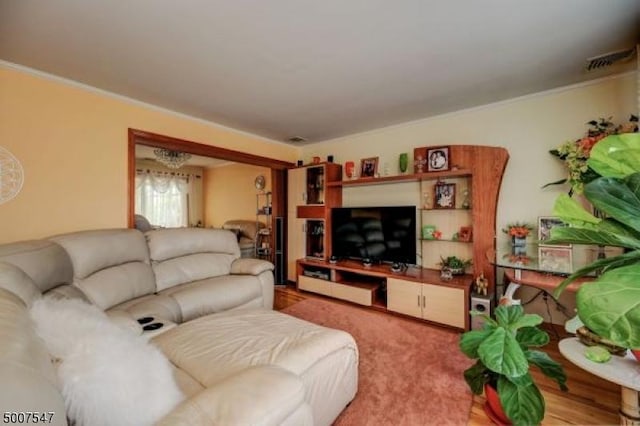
column 45, row 262
column 191, row 267
column 18, row 282
column 264, row 395
column 175, row 242
column 267, row 338
column 109, row 376
column 152, row 305
column 217, row 294
column 28, row 377
column 110, row 266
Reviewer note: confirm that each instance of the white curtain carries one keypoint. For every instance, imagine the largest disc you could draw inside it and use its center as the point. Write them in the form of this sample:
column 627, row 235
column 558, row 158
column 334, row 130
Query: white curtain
column 163, row 198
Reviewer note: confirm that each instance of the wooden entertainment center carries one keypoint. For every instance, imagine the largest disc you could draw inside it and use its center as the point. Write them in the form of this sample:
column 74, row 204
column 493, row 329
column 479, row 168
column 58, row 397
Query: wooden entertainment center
column 417, row 291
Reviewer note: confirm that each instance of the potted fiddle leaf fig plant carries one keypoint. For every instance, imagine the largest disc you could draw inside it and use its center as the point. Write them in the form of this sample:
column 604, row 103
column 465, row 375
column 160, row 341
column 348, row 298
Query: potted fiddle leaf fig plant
column 504, row 353
column 610, row 305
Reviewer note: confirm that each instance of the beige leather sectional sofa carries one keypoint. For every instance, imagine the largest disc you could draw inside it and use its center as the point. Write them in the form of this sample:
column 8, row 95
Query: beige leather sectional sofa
column 217, row 326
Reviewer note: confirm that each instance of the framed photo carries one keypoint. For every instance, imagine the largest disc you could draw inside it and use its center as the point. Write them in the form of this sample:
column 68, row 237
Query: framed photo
column 545, row 225
column 555, row 259
column 444, row 195
column 438, row 159
column 465, row 234
column 368, row 167
column 427, row 232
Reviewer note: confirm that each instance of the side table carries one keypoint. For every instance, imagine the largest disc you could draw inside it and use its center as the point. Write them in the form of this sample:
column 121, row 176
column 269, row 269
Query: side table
column 624, row 371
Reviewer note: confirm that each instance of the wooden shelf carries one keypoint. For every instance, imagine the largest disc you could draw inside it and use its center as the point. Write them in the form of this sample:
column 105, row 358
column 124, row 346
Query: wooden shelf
column 414, row 177
column 441, row 210
column 444, row 240
column 412, row 273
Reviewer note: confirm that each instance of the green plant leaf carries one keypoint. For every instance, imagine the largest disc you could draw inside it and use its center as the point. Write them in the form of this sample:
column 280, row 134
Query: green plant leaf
column 548, row 366
column 616, row 155
column 476, row 376
column 527, row 320
column 614, row 197
column 501, row 353
column 471, row 340
column 567, row 235
column 508, row 315
column 523, row 404
column 573, row 213
column 610, row 306
column 558, row 182
column 532, row 337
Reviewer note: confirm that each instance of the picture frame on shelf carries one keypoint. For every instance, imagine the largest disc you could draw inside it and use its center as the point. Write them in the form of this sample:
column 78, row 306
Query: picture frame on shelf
column 368, row 167
column 444, row 195
column 545, row 225
column 465, row 234
column 556, row 259
column 427, row 232
column 438, row 159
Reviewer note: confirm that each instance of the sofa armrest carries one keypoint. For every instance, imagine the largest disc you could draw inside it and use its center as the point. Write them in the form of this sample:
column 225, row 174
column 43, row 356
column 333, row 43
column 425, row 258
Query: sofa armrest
column 245, row 266
column 262, row 395
column 125, row 320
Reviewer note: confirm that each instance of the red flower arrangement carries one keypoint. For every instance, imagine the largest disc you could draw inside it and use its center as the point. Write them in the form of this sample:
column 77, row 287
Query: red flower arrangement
column 519, row 230
column 576, row 153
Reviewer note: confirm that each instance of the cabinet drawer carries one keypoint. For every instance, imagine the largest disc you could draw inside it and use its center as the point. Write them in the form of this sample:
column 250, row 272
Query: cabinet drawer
column 360, row 295
column 314, row 285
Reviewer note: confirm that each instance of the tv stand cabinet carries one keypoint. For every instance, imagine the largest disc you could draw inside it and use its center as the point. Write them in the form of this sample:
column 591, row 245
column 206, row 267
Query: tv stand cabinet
column 415, row 292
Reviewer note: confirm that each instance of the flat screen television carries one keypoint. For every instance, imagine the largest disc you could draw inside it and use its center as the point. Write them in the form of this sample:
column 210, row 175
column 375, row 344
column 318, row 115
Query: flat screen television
column 382, row 234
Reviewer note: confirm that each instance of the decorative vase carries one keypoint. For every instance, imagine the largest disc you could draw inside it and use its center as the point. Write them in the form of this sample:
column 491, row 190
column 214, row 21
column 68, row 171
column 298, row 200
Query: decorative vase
column 493, row 407
column 349, row 167
column 403, row 162
column 519, row 241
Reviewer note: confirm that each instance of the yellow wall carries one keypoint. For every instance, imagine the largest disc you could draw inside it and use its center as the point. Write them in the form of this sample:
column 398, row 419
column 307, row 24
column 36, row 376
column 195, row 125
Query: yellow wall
column 230, row 192
column 72, row 143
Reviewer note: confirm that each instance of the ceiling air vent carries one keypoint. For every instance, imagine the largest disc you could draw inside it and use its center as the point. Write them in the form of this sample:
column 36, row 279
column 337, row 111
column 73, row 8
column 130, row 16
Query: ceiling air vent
column 296, row 139
column 608, row 59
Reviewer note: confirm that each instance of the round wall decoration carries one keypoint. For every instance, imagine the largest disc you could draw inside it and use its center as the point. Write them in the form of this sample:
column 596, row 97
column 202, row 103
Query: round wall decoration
column 260, row 182
column 11, row 176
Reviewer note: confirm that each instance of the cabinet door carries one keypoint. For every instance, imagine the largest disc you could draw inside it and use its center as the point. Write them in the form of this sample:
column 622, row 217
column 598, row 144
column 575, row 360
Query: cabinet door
column 295, row 245
column 297, row 181
column 444, row 305
column 404, row 297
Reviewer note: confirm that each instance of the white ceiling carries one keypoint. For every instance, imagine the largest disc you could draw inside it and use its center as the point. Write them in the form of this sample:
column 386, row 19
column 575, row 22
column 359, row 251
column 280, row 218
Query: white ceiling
column 317, row 69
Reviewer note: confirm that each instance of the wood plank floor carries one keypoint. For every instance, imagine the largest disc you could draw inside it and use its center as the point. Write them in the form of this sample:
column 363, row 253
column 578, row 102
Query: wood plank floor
column 590, row 400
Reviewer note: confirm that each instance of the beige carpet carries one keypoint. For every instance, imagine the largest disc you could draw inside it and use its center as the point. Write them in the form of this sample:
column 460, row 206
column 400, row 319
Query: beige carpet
column 410, row 373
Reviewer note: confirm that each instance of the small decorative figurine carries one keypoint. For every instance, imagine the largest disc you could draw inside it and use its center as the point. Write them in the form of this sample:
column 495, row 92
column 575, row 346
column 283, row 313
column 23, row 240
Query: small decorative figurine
column 481, row 285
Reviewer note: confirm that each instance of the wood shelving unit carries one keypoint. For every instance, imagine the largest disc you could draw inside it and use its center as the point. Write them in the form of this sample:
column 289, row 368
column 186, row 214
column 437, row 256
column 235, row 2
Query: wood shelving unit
column 414, row 177
column 418, row 291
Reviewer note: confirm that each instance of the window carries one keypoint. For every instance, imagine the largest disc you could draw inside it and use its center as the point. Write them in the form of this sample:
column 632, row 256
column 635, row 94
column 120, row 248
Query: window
column 162, row 198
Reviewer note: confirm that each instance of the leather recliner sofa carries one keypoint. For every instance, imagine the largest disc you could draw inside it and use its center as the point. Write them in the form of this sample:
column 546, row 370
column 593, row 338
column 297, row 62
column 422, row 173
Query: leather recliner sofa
column 209, row 300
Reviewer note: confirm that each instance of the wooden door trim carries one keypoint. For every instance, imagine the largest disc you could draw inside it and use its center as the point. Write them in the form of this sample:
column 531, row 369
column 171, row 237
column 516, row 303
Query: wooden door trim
column 142, row 137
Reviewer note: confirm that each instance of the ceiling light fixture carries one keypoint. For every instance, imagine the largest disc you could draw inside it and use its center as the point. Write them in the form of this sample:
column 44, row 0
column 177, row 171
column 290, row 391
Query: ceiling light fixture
column 171, row 159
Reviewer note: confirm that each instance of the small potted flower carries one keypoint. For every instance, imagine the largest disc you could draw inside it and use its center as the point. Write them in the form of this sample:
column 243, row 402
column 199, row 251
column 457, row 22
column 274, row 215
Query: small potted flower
column 454, row 264
column 518, row 231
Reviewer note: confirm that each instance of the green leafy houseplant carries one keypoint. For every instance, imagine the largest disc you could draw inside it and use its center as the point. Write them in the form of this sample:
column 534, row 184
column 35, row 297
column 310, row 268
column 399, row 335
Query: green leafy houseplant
column 504, row 354
column 455, row 264
column 610, row 305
